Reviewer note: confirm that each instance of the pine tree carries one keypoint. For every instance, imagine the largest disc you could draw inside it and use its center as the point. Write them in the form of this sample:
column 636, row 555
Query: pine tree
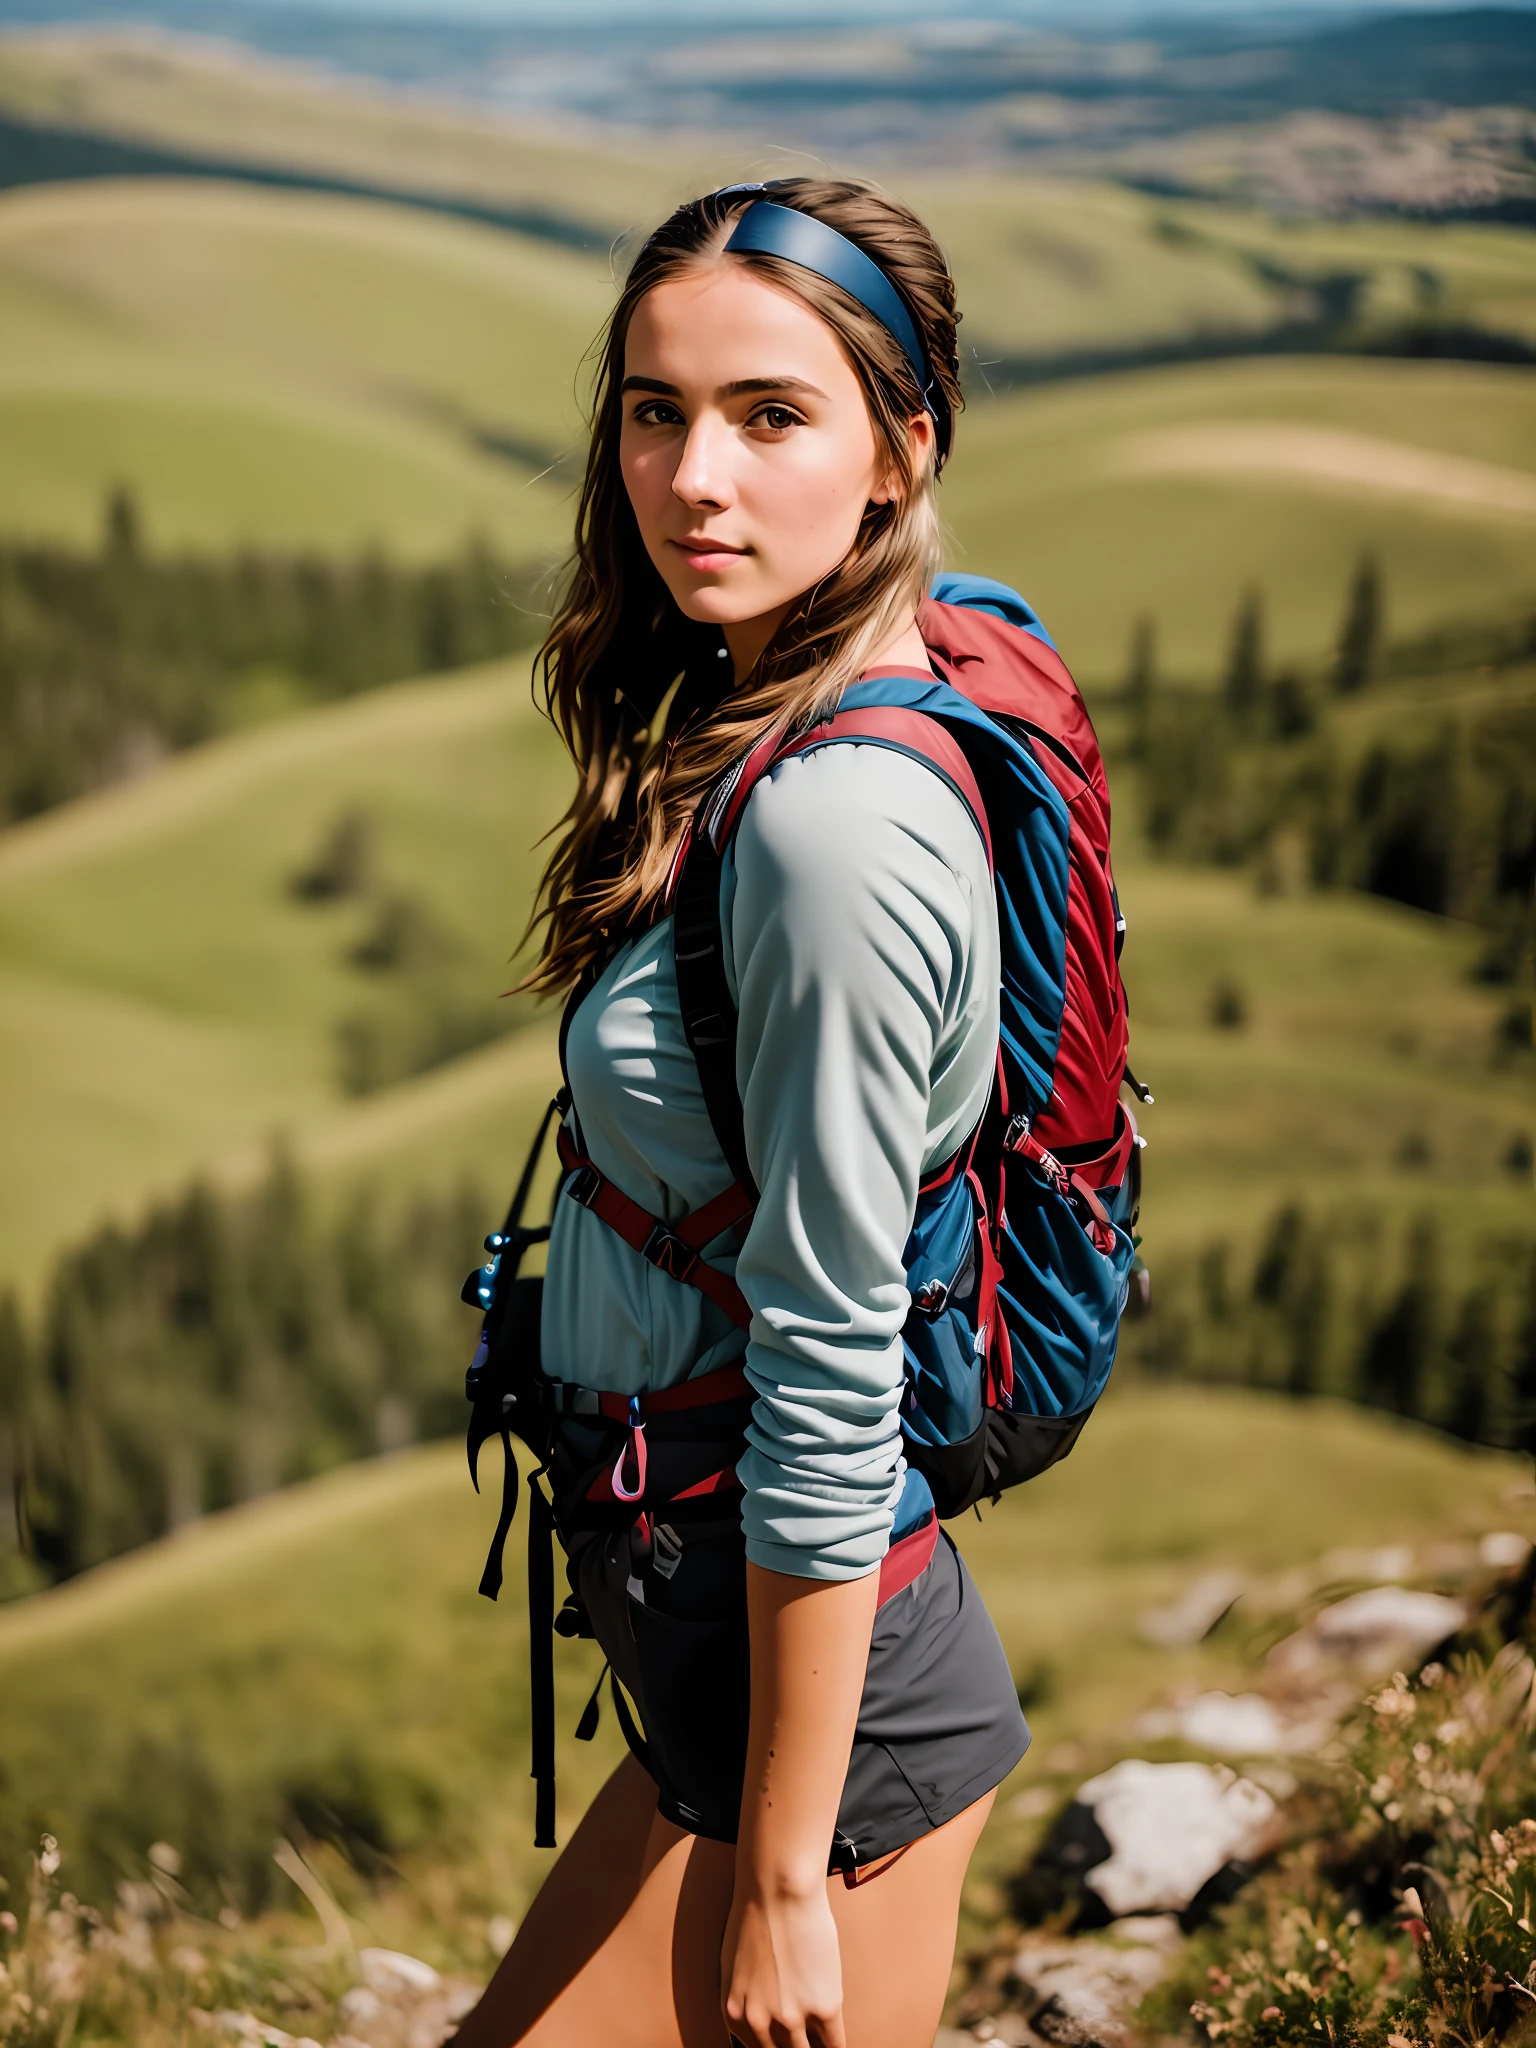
column 1279, row 1255
column 1141, row 683
column 1243, row 684
column 1472, row 1363
column 1307, row 1314
column 1522, row 1387
column 15, row 1373
column 1397, row 1365
column 1359, row 648
column 122, row 532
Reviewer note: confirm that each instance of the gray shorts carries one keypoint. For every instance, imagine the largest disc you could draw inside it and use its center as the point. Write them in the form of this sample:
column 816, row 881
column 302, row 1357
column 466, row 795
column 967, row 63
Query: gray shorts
column 939, row 1724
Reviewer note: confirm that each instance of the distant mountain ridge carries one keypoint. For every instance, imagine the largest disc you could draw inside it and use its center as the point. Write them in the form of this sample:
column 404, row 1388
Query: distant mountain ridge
column 848, row 76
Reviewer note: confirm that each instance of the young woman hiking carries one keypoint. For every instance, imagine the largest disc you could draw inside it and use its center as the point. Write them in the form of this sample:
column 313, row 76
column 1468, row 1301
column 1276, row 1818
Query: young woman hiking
column 823, row 1734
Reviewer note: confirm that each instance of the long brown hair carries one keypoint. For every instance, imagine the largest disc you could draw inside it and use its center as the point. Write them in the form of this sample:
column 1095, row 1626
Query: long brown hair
column 619, row 642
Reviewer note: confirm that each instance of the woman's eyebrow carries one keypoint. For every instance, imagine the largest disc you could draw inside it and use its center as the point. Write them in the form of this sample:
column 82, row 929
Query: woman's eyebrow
column 746, row 387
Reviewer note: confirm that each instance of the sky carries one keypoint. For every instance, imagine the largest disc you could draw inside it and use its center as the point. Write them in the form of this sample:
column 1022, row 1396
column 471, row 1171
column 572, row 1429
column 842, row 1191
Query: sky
column 708, row 13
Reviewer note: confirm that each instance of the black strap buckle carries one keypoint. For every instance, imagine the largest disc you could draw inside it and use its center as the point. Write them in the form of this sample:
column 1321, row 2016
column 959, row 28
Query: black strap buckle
column 583, row 1185
column 667, row 1252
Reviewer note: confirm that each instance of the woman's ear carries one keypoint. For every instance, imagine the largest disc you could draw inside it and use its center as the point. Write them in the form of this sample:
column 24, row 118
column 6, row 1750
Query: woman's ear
column 920, row 441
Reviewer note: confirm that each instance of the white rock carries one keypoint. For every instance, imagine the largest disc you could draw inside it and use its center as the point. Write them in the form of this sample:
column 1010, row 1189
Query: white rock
column 388, row 1972
column 1503, row 1550
column 1244, row 1724
column 1372, row 1632
column 1195, row 1613
column 1150, row 1930
column 1080, row 1993
column 1170, row 1827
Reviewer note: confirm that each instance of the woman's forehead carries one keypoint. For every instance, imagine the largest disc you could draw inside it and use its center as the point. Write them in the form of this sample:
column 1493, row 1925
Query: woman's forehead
column 722, row 325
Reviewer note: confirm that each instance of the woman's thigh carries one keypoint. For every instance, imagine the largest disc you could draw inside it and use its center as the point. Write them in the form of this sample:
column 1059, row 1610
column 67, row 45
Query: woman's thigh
column 896, row 1933
column 622, row 1944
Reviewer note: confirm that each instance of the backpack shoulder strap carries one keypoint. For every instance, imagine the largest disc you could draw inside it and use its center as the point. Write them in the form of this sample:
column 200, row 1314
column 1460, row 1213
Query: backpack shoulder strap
column 704, row 995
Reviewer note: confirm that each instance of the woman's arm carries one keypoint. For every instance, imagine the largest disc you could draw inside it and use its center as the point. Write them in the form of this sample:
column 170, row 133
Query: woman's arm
column 861, row 972
column 780, row 1972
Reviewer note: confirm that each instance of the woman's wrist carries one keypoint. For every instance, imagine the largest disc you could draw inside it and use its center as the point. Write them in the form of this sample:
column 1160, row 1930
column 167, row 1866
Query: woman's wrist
column 779, row 1880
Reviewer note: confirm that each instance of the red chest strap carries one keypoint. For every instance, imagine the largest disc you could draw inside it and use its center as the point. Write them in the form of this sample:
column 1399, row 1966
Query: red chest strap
column 677, row 1252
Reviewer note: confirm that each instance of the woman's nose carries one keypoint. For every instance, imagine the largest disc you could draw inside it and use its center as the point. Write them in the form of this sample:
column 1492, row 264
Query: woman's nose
column 702, row 474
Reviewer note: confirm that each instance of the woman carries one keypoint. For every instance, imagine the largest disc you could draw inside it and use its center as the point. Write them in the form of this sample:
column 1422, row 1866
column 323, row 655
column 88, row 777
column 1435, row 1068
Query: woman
column 774, row 405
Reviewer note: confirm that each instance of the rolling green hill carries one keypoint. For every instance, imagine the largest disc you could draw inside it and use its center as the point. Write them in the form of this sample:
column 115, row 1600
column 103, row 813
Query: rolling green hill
column 266, row 367
column 1165, row 493
column 310, row 370
column 166, row 1002
column 166, row 999
column 1048, row 266
column 327, row 1646
column 237, row 105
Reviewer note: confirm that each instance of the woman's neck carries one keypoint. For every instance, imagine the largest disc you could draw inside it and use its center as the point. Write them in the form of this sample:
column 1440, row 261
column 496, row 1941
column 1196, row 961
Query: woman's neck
column 746, row 641
column 906, row 649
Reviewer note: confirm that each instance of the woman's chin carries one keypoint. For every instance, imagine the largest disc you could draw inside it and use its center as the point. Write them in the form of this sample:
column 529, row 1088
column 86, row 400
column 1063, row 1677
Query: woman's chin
column 713, row 604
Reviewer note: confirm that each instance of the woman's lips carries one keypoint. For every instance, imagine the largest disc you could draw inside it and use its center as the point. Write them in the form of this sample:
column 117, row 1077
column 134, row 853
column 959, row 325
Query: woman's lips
column 703, row 555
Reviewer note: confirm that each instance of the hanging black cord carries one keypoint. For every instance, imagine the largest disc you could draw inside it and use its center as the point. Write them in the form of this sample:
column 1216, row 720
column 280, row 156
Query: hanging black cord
column 541, row 1657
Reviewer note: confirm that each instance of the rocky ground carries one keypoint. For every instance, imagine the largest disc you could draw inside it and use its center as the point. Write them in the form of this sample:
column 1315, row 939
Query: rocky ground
column 1144, row 1850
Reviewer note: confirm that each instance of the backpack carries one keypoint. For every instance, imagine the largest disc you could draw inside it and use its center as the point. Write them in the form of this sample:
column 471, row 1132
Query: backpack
column 1022, row 1256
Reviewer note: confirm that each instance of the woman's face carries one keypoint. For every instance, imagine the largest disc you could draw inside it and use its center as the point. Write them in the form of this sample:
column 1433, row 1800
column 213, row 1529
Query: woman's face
column 747, row 447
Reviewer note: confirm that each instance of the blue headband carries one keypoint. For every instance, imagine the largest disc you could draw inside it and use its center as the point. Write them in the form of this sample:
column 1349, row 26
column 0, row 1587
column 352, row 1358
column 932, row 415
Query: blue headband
column 773, row 230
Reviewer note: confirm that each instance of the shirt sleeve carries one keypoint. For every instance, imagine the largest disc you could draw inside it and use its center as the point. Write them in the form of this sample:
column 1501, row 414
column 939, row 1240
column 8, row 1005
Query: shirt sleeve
column 861, row 943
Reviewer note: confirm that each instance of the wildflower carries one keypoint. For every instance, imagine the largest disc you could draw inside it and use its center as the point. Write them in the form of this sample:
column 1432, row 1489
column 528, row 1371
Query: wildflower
column 48, row 1857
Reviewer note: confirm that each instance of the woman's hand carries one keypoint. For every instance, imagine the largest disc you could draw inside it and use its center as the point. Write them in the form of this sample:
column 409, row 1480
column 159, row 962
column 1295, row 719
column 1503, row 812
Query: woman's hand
column 781, row 1973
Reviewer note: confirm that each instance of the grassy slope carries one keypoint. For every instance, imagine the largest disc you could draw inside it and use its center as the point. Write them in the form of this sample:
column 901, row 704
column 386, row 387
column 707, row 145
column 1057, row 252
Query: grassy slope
column 1046, row 265
column 1166, row 492
column 164, row 1000
column 1478, row 273
column 237, row 104
column 340, row 1621
column 1364, row 1031
column 283, row 369
column 292, row 368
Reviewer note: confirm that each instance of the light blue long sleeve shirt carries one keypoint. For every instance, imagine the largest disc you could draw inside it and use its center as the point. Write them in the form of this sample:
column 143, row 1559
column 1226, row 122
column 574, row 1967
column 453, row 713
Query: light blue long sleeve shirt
column 861, row 944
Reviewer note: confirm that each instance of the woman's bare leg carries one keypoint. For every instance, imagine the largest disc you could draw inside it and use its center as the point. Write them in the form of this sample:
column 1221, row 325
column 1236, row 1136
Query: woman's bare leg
column 622, row 1945
column 896, row 1935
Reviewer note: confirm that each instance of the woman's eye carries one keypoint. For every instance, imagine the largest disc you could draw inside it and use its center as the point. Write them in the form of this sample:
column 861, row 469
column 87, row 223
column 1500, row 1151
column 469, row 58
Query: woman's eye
column 656, row 412
column 777, row 418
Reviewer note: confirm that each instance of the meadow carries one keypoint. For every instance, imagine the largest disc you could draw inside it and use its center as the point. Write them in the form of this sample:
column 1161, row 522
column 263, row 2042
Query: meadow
column 304, row 370
column 169, row 999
